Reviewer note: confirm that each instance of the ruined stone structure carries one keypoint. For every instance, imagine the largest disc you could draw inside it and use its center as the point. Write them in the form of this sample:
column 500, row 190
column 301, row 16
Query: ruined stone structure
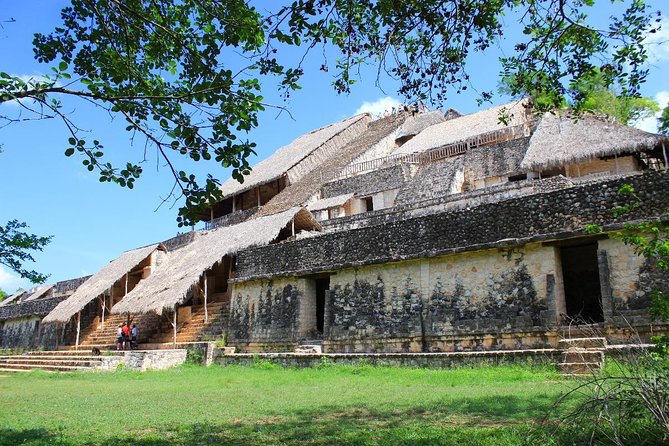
column 416, row 232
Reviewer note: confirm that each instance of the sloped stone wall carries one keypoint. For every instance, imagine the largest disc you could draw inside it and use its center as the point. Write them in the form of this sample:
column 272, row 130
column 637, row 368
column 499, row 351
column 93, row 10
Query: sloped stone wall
column 367, row 183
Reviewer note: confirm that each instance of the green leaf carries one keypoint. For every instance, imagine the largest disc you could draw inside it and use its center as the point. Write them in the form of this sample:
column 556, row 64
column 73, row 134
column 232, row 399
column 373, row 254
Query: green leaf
column 69, row 152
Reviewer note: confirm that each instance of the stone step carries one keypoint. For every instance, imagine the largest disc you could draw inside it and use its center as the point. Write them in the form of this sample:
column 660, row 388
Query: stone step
column 583, row 356
column 3, row 370
column 309, row 348
column 86, row 352
column 52, row 368
column 579, row 368
column 51, row 358
column 593, row 343
column 39, row 363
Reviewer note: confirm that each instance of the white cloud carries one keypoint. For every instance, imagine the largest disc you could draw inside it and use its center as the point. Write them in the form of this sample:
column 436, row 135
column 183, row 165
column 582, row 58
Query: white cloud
column 657, row 44
column 10, row 282
column 650, row 124
column 379, row 107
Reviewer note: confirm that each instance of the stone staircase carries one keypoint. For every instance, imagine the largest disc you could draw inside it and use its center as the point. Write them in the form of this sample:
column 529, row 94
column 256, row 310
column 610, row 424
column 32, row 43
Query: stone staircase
column 582, row 356
column 52, row 361
column 105, row 338
column 195, row 329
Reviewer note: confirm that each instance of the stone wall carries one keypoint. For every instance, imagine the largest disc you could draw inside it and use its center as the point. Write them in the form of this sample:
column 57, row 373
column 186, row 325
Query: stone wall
column 21, row 324
column 434, row 180
column 423, row 305
column 265, row 311
column 40, row 307
column 514, row 222
column 485, row 278
column 67, row 287
column 28, row 333
column 367, row 183
column 434, row 361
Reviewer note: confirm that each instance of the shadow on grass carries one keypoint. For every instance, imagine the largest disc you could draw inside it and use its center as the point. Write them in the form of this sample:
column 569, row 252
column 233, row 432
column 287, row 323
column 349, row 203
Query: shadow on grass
column 495, row 420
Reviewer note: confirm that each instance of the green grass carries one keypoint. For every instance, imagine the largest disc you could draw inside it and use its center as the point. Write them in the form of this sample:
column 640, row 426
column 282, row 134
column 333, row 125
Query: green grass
column 267, row 405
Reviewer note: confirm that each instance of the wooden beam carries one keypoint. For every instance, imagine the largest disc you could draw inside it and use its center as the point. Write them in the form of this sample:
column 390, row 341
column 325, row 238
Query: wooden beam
column 174, row 326
column 664, row 152
column 76, row 344
column 206, row 291
column 104, row 305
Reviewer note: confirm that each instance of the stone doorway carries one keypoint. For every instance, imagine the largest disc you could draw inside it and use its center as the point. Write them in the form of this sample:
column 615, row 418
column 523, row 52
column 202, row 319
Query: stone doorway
column 582, row 288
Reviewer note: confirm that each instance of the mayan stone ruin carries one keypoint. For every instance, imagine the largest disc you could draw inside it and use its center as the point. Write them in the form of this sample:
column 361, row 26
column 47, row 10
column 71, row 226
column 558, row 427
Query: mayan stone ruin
column 415, row 232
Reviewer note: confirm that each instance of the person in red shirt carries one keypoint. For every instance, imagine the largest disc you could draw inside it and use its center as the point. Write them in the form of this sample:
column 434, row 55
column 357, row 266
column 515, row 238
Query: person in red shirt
column 126, row 335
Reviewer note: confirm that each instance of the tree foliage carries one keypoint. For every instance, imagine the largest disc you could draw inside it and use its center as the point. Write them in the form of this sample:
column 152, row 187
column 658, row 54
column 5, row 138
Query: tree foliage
column 2, row 295
column 188, row 76
column 625, row 109
column 15, row 247
column 663, row 121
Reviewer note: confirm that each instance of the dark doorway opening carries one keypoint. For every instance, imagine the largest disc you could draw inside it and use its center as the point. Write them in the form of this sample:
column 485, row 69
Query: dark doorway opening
column 582, row 291
column 322, row 285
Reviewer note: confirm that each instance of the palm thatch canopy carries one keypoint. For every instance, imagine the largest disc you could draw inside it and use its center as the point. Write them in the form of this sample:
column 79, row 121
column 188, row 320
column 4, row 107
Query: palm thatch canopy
column 279, row 163
column 171, row 281
column 99, row 283
column 468, row 126
column 14, row 298
column 38, row 292
column 562, row 139
column 327, row 203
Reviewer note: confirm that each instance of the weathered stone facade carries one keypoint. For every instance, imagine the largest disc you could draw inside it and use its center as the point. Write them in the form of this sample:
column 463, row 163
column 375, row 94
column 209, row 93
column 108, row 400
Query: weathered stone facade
column 21, row 328
column 266, row 311
column 489, row 277
column 514, row 222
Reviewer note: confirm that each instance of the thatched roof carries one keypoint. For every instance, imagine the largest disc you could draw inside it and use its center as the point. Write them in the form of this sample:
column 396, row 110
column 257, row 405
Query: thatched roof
column 13, row 298
column 27, row 295
column 327, row 203
column 278, row 164
column 467, row 126
column 181, row 270
column 99, row 283
column 559, row 140
column 381, row 132
column 38, row 292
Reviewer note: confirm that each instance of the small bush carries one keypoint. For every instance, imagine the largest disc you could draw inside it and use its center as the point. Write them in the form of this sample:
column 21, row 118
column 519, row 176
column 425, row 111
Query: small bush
column 194, row 357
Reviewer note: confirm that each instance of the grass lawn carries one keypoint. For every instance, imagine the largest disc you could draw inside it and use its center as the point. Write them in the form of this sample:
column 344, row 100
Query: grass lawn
column 267, row 405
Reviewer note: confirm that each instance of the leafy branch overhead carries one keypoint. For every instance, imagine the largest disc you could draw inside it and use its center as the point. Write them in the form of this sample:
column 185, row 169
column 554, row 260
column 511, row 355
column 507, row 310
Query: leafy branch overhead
column 15, row 247
column 187, row 77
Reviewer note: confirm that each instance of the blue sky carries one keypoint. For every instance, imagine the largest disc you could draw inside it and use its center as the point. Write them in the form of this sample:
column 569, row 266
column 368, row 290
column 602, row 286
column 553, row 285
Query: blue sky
column 92, row 223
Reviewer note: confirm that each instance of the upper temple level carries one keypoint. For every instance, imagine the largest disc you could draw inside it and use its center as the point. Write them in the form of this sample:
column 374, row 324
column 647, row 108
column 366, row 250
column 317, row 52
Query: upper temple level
column 413, row 158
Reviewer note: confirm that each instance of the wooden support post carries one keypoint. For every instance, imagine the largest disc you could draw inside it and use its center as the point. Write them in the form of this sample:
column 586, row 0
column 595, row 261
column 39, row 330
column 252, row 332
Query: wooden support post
column 234, row 203
column 104, row 306
column 126, row 284
column 258, row 195
column 76, row 344
column 292, row 223
column 174, row 326
column 206, row 291
column 211, row 214
column 664, row 152
column 615, row 156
